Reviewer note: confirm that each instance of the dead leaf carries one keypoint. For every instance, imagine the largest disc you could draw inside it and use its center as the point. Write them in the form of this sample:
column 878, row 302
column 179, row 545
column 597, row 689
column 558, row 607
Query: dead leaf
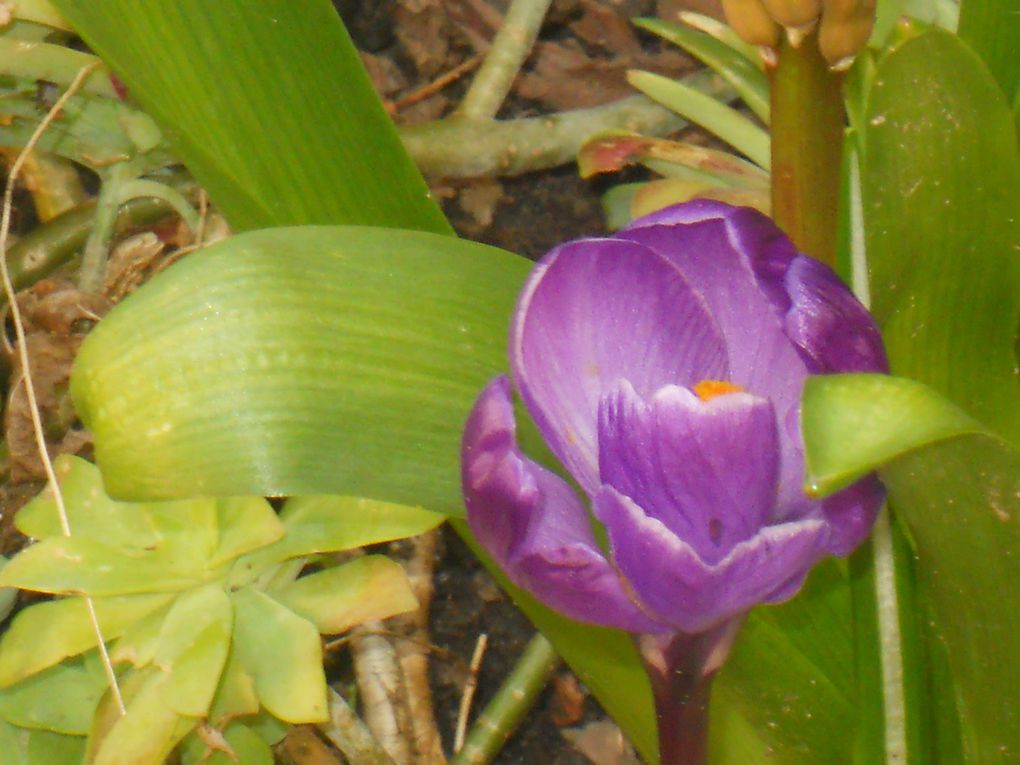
column 423, row 30
column 568, row 700
column 479, row 200
column 603, row 743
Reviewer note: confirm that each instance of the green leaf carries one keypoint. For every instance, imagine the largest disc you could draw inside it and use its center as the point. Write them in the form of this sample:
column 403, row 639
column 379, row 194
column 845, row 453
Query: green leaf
column 249, row 747
column 723, row 121
column 69, row 565
column 304, row 142
column 942, row 236
column 149, row 730
column 356, row 352
column 945, row 281
column 46, row 633
column 192, row 648
column 958, row 488
column 330, row 524
column 90, row 512
column 45, row 748
column 742, row 74
column 235, row 696
column 854, row 423
column 282, row 653
column 60, row 699
column 334, row 600
column 244, row 524
column 990, row 27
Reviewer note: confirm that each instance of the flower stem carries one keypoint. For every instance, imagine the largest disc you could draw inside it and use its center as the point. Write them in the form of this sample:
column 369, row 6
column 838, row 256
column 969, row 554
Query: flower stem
column 807, row 145
column 681, row 668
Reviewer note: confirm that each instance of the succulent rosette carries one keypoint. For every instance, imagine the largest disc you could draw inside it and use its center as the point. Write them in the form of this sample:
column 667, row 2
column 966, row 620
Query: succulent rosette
column 664, row 367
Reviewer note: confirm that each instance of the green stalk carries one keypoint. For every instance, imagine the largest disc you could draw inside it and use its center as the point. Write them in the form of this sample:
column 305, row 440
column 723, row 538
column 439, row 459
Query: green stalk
column 93, row 260
column 510, row 704
column 807, row 144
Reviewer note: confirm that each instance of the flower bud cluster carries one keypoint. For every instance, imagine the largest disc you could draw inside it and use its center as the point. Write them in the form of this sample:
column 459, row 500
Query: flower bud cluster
column 844, row 26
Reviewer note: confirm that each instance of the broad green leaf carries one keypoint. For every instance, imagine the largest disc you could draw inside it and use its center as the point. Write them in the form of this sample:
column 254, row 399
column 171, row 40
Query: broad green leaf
column 268, row 105
column 959, row 491
column 68, row 565
column 192, row 648
column 740, row 72
column 282, row 653
column 60, row 699
column 300, row 361
column 991, row 28
column 942, row 236
column 47, row 633
column 334, row 600
column 853, row 423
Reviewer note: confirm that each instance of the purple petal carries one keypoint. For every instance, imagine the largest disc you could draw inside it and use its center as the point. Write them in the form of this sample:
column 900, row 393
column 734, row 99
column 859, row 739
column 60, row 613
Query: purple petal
column 705, row 469
column 851, row 514
column 533, row 525
column 762, row 358
column 596, row 311
column 833, row 330
column 669, row 576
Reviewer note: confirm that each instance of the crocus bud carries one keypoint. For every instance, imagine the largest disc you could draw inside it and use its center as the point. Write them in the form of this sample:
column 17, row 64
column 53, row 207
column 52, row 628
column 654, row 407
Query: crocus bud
column 752, row 22
column 794, row 14
column 845, row 29
column 844, row 25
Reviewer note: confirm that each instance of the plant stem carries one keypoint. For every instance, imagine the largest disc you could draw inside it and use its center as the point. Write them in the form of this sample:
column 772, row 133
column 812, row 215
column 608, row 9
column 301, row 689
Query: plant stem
column 346, row 730
column 507, row 53
column 807, row 145
column 93, row 260
column 511, row 703
column 681, row 668
column 456, row 147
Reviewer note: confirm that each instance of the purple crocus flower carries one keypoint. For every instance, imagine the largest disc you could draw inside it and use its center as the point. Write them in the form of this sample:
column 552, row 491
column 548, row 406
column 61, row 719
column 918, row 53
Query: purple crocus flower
column 664, row 367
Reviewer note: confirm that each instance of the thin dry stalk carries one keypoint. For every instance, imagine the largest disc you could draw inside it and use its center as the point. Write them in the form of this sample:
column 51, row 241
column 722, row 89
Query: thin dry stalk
column 19, row 330
column 413, row 652
column 469, row 692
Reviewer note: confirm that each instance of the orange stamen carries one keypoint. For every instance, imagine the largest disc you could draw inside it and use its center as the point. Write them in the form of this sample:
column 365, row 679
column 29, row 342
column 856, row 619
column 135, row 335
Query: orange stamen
column 706, row 390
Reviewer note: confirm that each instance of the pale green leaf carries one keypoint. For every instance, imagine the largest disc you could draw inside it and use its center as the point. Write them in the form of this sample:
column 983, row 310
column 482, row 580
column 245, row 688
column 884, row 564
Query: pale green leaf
column 192, row 648
column 246, row 744
column 90, row 512
column 59, row 699
column 283, row 654
column 149, row 730
column 235, row 695
column 334, row 600
column 63, row 565
column 46, row 633
column 244, row 524
column 45, row 748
